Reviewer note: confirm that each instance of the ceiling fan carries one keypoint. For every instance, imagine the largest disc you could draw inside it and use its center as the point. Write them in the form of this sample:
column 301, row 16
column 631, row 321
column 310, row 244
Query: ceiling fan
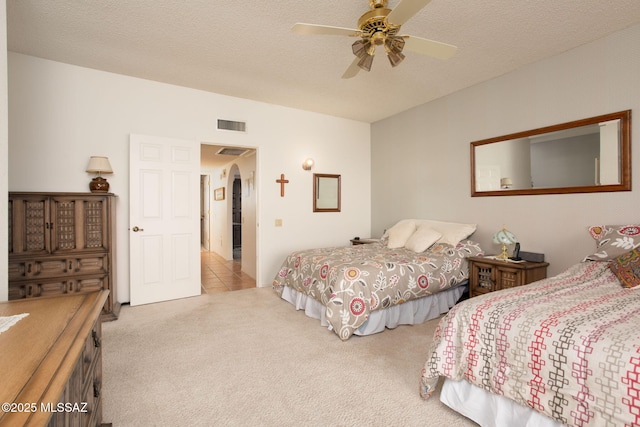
column 379, row 27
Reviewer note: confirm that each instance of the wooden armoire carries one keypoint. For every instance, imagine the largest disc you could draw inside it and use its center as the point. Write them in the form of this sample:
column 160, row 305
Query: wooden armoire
column 62, row 243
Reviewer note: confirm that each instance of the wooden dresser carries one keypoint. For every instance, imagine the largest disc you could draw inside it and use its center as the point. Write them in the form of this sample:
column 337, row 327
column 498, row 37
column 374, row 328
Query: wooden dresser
column 62, row 243
column 51, row 361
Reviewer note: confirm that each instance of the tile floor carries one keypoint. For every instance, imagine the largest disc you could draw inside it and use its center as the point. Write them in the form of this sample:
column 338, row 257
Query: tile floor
column 220, row 275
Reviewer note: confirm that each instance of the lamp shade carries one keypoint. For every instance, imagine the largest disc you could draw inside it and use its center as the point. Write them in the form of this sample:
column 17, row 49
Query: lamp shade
column 504, row 236
column 99, row 165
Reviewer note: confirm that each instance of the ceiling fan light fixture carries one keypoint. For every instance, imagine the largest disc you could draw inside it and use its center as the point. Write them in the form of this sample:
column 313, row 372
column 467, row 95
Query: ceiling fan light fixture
column 364, row 50
column 358, row 48
column 395, row 58
column 393, row 46
column 361, row 48
column 371, row 48
column 381, row 26
column 365, row 62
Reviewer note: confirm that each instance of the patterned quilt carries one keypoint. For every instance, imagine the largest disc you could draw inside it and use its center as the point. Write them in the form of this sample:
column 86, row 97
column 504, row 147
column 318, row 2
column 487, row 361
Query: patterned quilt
column 567, row 346
column 353, row 281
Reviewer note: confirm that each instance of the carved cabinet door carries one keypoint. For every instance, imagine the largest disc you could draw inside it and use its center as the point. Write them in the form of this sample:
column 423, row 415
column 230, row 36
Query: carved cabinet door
column 42, row 224
column 29, row 223
column 78, row 223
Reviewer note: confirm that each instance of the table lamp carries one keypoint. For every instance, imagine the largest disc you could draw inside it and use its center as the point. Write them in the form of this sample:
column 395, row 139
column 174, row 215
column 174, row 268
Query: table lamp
column 99, row 165
column 506, row 183
column 504, row 237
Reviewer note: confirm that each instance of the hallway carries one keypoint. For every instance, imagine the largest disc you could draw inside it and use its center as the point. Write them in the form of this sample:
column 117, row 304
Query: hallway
column 220, row 275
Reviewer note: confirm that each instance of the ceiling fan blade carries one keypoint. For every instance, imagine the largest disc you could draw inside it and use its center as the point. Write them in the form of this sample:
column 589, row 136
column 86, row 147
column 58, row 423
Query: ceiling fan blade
column 301, row 28
column 405, row 10
column 429, row 47
column 352, row 70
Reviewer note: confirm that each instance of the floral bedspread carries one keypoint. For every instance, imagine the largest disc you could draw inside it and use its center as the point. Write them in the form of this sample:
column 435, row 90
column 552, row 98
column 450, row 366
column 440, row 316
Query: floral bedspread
column 567, row 346
column 353, row 281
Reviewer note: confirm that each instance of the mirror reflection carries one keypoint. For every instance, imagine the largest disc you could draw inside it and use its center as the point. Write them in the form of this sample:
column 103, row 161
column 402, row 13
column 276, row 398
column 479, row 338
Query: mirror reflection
column 326, row 192
column 590, row 155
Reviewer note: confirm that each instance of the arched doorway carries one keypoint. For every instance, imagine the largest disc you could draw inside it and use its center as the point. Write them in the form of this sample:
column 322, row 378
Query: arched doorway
column 236, row 216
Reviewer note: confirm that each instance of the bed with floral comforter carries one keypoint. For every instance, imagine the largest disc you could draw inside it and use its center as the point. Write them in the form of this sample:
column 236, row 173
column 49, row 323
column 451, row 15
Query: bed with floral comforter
column 566, row 346
column 354, row 281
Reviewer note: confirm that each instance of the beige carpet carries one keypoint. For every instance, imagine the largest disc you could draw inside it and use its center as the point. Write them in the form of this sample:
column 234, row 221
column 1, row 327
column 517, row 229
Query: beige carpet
column 249, row 358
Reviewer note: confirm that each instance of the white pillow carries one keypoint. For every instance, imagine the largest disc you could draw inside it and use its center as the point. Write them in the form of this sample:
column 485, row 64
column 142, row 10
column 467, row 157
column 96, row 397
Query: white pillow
column 423, row 238
column 452, row 232
column 400, row 233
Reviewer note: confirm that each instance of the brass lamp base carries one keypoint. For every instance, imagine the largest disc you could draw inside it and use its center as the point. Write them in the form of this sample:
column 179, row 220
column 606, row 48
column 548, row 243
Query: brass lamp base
column 503, row 255
column 99, row 185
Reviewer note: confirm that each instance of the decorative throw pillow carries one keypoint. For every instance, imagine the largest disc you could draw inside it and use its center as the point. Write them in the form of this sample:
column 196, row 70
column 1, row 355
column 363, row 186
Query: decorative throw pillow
column 452, row 232
column 422, row 239
column 627, row 268
column 613, row 241
column 400, row 233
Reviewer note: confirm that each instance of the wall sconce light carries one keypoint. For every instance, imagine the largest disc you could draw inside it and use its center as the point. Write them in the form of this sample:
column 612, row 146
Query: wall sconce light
column 99, row 165
column 506, row 183
column 307, row 164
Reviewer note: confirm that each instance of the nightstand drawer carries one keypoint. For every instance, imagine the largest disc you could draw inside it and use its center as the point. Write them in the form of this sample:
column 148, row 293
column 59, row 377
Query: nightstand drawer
column 489, row 275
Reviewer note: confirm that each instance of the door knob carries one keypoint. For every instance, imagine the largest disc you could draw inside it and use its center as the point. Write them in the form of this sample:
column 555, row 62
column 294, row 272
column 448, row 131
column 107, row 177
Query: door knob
column 136, row 229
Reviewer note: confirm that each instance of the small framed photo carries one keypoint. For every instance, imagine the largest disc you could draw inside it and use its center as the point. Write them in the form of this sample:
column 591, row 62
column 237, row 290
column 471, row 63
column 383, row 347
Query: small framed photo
column 218, row 193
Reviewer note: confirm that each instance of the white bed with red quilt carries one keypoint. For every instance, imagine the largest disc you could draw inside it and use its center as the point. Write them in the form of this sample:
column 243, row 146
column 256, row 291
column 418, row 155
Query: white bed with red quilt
column 561, row 351
column 413, row 274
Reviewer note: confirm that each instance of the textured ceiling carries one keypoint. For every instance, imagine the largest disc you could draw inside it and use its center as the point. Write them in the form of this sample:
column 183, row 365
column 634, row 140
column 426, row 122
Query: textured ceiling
column 244, row 48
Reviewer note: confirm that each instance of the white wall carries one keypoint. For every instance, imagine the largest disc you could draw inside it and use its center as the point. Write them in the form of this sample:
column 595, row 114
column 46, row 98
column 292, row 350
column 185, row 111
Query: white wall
column 59, row 115
column 4, row 149
column 425, row 172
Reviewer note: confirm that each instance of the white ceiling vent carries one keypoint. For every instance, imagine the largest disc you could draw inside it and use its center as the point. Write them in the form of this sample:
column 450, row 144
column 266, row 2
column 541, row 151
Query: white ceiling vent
column 232, row 125
column 229, row 151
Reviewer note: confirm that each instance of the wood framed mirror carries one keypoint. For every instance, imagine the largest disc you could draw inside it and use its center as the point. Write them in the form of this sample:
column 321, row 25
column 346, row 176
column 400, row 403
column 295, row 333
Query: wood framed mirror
column 584, row 156
column 326, row 192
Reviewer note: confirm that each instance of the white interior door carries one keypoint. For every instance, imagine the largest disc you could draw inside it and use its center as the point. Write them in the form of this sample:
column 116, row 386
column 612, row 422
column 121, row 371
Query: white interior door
column 164, row 219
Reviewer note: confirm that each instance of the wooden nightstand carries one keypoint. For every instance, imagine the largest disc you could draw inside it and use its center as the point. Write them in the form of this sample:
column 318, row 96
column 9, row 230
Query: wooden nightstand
column 488, row 275
column 363, row 241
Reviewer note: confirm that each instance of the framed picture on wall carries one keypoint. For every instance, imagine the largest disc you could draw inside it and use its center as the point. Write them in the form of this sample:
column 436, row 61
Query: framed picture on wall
column 218, row 193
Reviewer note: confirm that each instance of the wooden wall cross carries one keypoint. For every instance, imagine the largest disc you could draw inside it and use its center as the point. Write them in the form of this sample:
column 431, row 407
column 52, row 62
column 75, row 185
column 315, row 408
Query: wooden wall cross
column 282, row 182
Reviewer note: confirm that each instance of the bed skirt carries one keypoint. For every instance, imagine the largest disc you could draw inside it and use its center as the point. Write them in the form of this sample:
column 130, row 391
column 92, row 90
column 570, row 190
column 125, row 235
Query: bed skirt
column 488, row 409
column 409, row 313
